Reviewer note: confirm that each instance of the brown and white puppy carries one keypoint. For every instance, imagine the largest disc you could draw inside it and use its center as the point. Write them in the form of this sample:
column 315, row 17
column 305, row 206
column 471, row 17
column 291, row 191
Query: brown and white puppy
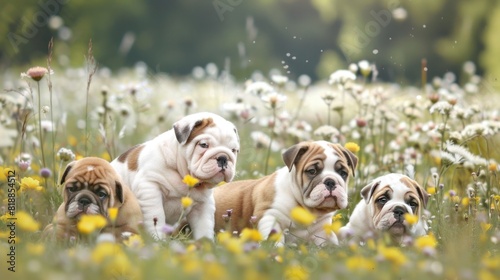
column 91, row 186
column 315, row 177
column 385, row 202
column 202, row 145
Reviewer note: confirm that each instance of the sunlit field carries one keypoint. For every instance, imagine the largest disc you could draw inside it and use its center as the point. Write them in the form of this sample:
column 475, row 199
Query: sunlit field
column 444, row 133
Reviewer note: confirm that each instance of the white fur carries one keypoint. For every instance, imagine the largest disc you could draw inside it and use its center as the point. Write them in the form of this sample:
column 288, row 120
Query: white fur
column 362, row 219
column 289, row 195
column 162, row 165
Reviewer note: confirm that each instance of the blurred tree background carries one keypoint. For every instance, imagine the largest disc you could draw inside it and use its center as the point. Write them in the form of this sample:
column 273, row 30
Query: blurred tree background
column 312, row 37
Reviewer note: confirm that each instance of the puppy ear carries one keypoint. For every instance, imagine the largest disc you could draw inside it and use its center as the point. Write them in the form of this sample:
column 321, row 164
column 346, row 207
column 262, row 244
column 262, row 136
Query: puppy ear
column 424, row 196
column 368, row 190
column 119, row 191
column 186, row 129
column 66, row 171
column 293, row 154
column 352, row 159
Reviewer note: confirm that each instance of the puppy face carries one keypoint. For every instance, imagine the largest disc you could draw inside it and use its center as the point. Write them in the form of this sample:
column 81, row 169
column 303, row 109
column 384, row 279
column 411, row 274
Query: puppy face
column 211, row 145
column 322, row 172
column 389, row 198
column 90, row 187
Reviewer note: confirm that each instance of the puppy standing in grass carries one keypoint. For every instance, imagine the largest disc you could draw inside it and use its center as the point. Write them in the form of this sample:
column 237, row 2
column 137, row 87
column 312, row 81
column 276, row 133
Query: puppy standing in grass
column 91, row 187
column 385, row 202
column 315, row 178
column 202, row 145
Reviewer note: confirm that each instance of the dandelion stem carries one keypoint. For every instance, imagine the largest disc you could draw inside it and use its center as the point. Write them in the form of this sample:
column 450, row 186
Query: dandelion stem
column 49, row 82
column 271, row 138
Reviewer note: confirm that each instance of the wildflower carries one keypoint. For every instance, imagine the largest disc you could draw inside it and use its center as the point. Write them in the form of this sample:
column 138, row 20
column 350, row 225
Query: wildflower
column 304, row 80
column 90, row 223
column 296, row 272
column 333, row 227
column 223, row 236
column 337, row 217
column 411, row 219
column 36, row 249
column 351, row 146
column 134, row 241
column 485, row 227
column 36, row 73
column 493, row 166
column 112, row 214
column 234, row 245
column 45, row 172
column 392, row 254
column 426, row 241
column 26, row 222
column 442, row 107
column 273, row 100
column 356, row 263
column 302, row 216
column 431, row 190
column 465, row 201
column 65, row 154
column 341, row 77
column 326, row 132
column 259, row 88
column 251, row 235
column 167, row 229
column 186, row 201
column 365, row 68
column 280, row 80
column 190, row 181
column 28, row 183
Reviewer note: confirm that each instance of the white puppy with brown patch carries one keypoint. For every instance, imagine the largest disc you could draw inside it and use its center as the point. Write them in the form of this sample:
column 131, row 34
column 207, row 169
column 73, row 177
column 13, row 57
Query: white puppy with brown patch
column 202, row 145
column 385, row 202
column 315, row 177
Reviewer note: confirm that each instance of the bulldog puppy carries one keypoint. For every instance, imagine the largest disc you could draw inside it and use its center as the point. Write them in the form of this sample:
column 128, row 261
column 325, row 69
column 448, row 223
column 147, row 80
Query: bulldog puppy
column 385, row 202
column 203, row 145
column 315, row 177
column 91, row 186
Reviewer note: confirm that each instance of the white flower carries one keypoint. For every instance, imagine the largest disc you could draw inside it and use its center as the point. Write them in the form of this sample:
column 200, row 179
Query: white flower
column 459, row 154
column 65, row 154
column 341, row 77
column 279, row 79
column 326, row 132
column 442, row 107
column 262, row 140
column 259, row 88
column 273, row 100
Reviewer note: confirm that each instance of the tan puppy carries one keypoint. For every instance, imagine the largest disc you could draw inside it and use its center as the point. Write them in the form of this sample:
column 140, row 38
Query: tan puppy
column 91, row 186
column 385, row 202
column 315, row 177
column 203, row 145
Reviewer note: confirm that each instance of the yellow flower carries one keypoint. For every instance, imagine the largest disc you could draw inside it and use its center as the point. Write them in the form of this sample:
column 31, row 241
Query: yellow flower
column 112, row 213
column 296, row 272
column 36, row 249
column 186, row 201
column 190, row 181
column 234, row 245
column 302, row 216
column 431, row 190
column 248, row 234
column 134, row 241
column 485, row 227
column 356, row 263
column 104, row 250
column 351, row 146
column 493, row 166
column 4, row 173
column 426, row 241
column 223, row 236
column 411, row 219
column 392, row 254
column 28, row 183
column 26, row 222
column 465, row 201
column 337, row 217
column 106, row 156
column 214, row 270
column 72, row 141
column 90, row 223
column 275, row 236
column 333, row 227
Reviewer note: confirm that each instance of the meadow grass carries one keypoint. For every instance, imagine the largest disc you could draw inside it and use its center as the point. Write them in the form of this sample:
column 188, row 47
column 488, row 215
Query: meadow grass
column 445, row 135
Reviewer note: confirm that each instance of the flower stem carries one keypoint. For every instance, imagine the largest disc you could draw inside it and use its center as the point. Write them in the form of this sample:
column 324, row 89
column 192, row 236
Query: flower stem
column 40, row 124
column 271, row 138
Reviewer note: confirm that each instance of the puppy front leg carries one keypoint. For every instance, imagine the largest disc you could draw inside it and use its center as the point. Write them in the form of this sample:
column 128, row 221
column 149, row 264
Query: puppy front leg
column 201, row 219
column 151, row 201
column 269, row 224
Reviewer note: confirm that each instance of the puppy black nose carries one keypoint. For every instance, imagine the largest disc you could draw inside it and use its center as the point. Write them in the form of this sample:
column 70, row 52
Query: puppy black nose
column 84, row 201
column 330, row 184
column 222, row 162
column 399, row 212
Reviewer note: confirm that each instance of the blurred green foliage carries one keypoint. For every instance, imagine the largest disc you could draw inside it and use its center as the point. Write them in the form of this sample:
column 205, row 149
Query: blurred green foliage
column 313, row 37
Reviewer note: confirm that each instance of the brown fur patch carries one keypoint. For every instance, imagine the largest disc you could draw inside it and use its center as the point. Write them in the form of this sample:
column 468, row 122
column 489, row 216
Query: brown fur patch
column 123, row 157
column 199, row 127
column 133, row 158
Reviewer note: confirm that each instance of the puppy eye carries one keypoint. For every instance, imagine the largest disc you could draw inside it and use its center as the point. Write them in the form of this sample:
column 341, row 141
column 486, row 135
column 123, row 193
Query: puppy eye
column 204, row 145
column 311, row 171
column 382, row 200
column 102, row 194
column 413, row 204
column 343, row 174
column 72, row 188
